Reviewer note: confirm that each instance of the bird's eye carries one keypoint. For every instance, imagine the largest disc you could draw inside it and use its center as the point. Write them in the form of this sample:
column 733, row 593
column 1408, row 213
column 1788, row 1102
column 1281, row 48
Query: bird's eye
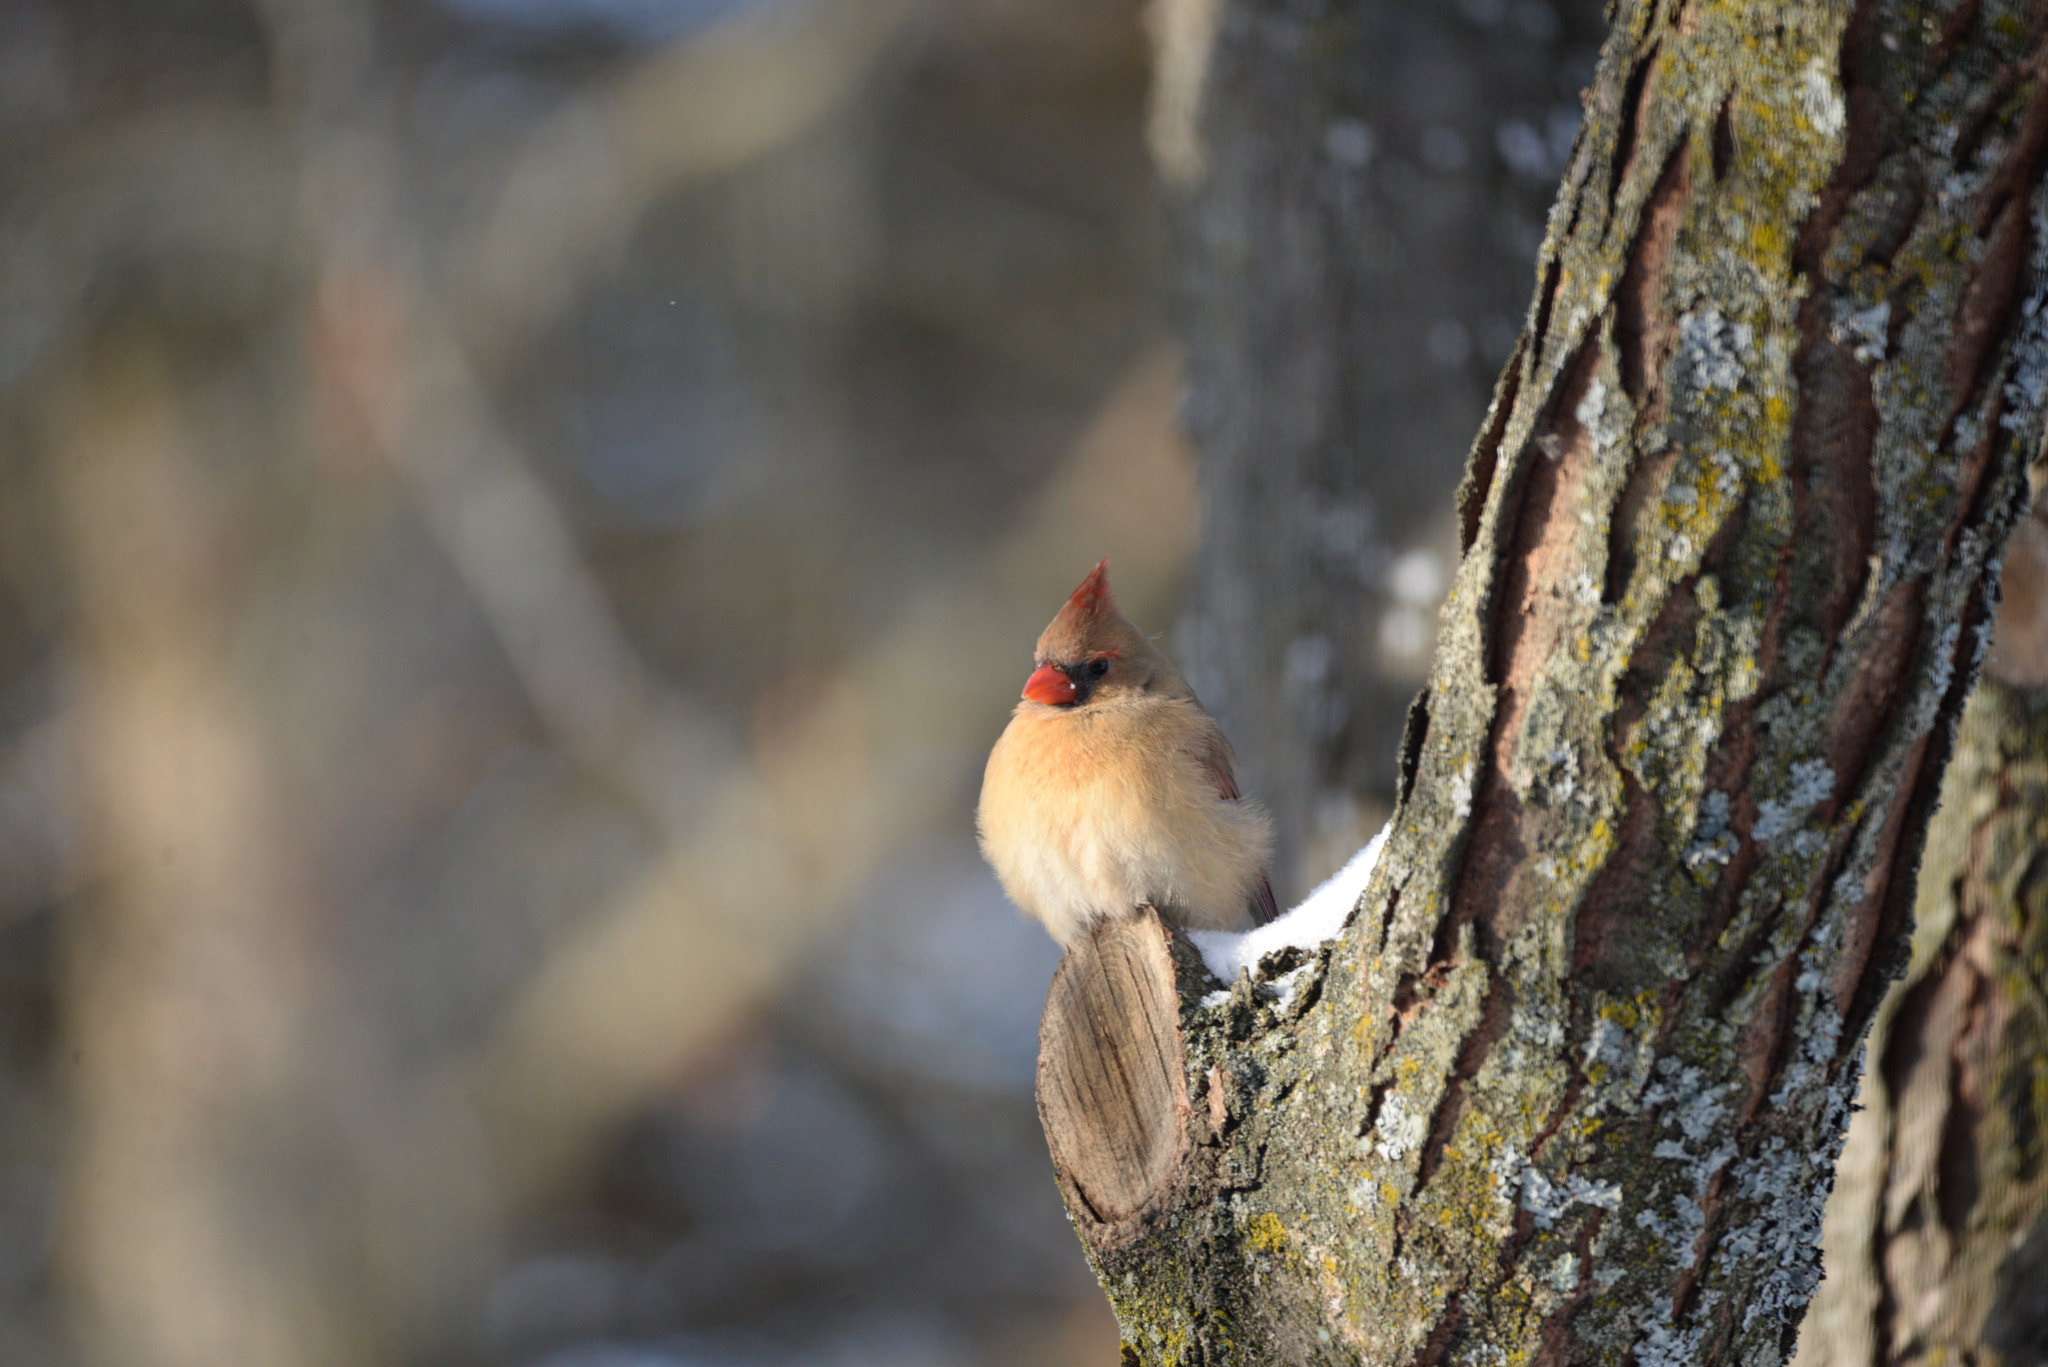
column 1097, row 668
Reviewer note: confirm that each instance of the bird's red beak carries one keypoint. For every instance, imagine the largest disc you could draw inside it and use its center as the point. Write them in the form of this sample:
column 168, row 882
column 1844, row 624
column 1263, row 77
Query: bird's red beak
column 1049, row 685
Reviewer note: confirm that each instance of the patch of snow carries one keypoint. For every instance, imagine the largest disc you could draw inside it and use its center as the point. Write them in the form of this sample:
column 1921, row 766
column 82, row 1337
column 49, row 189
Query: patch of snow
column 1288, row 984
column 1319, row 917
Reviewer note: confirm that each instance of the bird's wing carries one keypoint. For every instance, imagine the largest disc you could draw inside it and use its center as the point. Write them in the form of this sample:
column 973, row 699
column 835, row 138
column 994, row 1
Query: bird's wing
column 1218, row 768
column 1216, row 763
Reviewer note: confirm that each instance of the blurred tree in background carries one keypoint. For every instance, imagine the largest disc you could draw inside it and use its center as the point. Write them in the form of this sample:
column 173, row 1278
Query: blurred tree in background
column 522, row 518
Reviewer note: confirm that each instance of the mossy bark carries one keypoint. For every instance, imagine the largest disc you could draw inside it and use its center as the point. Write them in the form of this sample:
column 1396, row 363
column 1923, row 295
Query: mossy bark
column 1937, row 1235
column 1571, row 1086
column 1935, row 1242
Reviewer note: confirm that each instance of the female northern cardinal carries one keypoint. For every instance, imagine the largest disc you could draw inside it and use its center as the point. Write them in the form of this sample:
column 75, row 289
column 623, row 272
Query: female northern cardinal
column 1112, row 789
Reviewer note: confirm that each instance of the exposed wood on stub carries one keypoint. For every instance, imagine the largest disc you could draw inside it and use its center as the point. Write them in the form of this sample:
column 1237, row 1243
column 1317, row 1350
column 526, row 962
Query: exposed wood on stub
column 1110, row 1093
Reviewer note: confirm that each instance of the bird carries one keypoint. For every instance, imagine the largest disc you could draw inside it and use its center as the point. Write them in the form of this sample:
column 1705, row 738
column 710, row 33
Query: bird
column 1111, row 789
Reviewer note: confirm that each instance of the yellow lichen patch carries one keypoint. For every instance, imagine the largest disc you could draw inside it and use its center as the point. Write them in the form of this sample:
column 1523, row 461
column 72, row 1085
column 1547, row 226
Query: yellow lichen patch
column 1266, row 1233
column 1768, row 239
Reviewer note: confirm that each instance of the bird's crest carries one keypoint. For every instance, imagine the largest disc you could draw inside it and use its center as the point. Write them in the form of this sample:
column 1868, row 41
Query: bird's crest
column 1092, row 601
column 1089, row 617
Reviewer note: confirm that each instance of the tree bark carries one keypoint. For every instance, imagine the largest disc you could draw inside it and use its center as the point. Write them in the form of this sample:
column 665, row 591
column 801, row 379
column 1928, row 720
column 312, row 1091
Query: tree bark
column 1935, row 1241
column 1571, row 1085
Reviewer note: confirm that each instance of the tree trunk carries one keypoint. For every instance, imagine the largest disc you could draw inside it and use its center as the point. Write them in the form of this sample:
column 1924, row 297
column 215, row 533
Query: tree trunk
column 1936, row 1237
column 1571, row 1085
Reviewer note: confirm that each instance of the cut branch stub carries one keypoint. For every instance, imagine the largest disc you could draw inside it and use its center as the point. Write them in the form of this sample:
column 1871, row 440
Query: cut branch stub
column 1110, row 1090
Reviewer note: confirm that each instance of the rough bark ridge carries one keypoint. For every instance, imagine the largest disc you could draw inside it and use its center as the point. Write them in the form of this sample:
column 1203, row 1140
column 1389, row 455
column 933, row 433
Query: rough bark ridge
column 1937, row 1235
column 1350, row 267
column 1571, row 1086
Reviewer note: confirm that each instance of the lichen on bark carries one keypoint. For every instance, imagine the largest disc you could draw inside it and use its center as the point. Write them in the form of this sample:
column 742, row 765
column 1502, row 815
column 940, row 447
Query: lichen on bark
column 1936, row 1237
column 1571, row 1085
